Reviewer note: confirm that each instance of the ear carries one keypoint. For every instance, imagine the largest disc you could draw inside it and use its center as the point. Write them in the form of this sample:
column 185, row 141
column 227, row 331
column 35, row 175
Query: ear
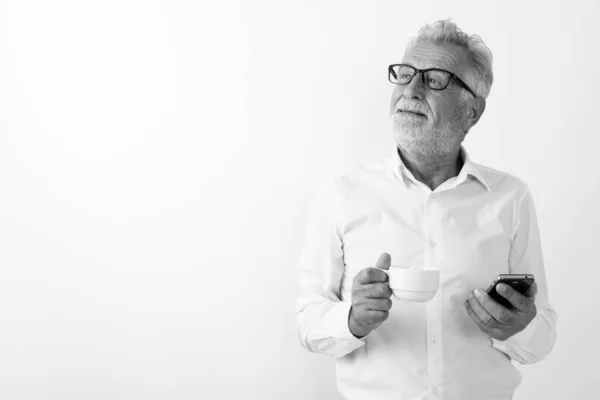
column 475, row 108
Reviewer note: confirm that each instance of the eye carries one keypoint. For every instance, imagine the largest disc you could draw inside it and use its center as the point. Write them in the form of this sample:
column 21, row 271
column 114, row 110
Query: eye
column 432, row 81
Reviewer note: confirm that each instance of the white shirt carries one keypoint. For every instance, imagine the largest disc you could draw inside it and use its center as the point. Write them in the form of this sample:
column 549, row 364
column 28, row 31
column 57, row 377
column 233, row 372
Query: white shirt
column 473, row 227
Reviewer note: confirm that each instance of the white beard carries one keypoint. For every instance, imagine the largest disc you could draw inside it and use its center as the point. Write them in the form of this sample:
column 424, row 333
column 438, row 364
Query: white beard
column 419, row 139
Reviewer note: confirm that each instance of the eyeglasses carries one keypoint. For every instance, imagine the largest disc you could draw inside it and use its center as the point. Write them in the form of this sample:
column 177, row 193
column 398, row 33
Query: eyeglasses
column 432, row 78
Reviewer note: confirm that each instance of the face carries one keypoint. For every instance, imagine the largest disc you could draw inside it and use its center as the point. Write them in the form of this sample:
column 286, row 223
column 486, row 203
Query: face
column 439, row 119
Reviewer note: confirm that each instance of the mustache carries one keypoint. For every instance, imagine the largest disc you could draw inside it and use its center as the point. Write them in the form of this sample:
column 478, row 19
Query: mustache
column 412, row 106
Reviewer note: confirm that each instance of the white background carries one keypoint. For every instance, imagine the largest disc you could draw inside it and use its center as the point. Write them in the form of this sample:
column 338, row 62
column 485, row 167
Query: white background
column 156, row 160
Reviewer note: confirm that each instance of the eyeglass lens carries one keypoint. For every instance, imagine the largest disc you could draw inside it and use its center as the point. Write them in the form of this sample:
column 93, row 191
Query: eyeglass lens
column 434, row 79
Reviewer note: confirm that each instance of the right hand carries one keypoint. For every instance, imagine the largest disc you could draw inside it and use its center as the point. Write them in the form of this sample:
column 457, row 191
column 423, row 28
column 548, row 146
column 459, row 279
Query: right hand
column 371, row 301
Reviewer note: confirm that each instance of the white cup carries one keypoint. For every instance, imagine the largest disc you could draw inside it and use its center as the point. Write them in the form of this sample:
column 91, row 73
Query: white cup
column 413, row 284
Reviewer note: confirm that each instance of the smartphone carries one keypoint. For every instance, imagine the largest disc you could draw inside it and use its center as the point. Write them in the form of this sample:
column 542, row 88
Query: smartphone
column 519, row 282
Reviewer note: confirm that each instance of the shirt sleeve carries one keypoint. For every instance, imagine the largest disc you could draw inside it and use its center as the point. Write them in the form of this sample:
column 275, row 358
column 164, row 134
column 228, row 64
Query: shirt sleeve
column 536, row 341
column 322, row 316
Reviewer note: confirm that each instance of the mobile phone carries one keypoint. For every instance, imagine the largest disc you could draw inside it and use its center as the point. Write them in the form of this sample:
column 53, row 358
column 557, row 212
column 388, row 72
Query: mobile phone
column 519, row 282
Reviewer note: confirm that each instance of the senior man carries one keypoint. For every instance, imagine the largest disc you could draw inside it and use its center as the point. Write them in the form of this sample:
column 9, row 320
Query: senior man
column 428, row 205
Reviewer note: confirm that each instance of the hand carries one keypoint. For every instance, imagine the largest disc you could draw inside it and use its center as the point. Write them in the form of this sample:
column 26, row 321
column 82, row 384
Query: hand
column 371, row 301
column 498, row 321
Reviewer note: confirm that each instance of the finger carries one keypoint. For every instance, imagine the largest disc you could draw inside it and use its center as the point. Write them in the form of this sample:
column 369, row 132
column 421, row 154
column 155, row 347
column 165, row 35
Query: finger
column 379, row 304
column 371, row 275
column 515, row 298
column 481, row 312
column 501, row 314
column 379, row 316
column 370, row 317
column 532, row 291
column 475, row 318
column 384, row 262
column 376, row 291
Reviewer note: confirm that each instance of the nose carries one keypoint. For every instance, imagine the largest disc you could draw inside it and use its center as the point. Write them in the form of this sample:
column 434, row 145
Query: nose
column 415, row 89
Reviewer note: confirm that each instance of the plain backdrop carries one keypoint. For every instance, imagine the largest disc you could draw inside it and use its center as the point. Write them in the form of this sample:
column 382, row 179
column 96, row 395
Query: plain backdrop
column 157, row 159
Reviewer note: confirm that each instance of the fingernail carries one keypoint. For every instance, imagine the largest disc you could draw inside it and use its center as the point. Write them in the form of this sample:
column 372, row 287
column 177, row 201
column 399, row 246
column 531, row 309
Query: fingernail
column 478, row 292
column 502, row 288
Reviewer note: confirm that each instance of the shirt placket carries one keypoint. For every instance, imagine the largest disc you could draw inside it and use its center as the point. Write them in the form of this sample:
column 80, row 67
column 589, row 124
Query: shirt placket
column 434, row 306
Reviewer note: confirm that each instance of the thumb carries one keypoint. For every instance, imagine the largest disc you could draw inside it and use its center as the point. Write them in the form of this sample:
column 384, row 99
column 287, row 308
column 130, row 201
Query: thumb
column 532, row 291
column 384, row 262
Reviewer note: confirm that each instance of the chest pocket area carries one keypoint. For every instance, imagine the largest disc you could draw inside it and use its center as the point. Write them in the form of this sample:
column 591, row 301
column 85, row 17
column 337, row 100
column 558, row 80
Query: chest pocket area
column 477, row 249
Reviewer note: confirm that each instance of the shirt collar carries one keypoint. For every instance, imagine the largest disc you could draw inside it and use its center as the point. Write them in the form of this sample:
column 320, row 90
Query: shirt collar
column 469, row 168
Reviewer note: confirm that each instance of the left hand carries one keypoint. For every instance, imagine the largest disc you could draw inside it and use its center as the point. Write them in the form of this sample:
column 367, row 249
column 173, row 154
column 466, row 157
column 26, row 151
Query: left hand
column 496, row 320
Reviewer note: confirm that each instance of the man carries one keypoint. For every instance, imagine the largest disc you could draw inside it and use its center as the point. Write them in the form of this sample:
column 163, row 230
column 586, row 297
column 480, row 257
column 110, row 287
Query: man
column 428, row 205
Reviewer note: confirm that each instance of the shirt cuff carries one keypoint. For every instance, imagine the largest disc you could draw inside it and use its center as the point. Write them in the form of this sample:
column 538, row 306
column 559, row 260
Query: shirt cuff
column 341, row 330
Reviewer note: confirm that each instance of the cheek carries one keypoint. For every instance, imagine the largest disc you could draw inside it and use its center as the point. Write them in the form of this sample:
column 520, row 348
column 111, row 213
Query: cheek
column 442, row 104
column 396, row 94
column 445, row 113
column 458, row 114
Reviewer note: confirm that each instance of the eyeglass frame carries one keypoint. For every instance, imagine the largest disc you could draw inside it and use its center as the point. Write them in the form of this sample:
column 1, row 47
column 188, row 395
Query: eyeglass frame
column 422, row 72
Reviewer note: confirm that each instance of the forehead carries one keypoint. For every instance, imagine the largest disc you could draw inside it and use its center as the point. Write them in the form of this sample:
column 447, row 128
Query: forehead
column 429, row 55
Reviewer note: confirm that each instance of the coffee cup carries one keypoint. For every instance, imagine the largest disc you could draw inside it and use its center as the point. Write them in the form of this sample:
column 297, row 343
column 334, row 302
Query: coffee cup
column 413, row 284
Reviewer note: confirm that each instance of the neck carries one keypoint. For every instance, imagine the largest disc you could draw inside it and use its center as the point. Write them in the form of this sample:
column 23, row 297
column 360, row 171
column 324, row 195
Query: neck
column 433, row 171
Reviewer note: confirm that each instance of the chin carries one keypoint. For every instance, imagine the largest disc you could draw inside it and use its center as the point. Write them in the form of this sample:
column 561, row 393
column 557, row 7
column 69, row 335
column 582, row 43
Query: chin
column 423, row 141
column 422, row 147
column 410, row 124
column 421, row 152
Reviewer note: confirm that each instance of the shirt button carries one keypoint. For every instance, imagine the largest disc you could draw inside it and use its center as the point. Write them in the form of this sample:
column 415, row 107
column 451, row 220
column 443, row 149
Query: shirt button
column 433, row 244
column 433, row 339
column 434, row 391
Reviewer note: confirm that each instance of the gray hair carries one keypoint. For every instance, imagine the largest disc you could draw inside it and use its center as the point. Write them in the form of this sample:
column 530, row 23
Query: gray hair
column 480, row 76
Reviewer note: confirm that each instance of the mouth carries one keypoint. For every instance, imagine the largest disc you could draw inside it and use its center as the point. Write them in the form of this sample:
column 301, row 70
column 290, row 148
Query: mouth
column 410, row 112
